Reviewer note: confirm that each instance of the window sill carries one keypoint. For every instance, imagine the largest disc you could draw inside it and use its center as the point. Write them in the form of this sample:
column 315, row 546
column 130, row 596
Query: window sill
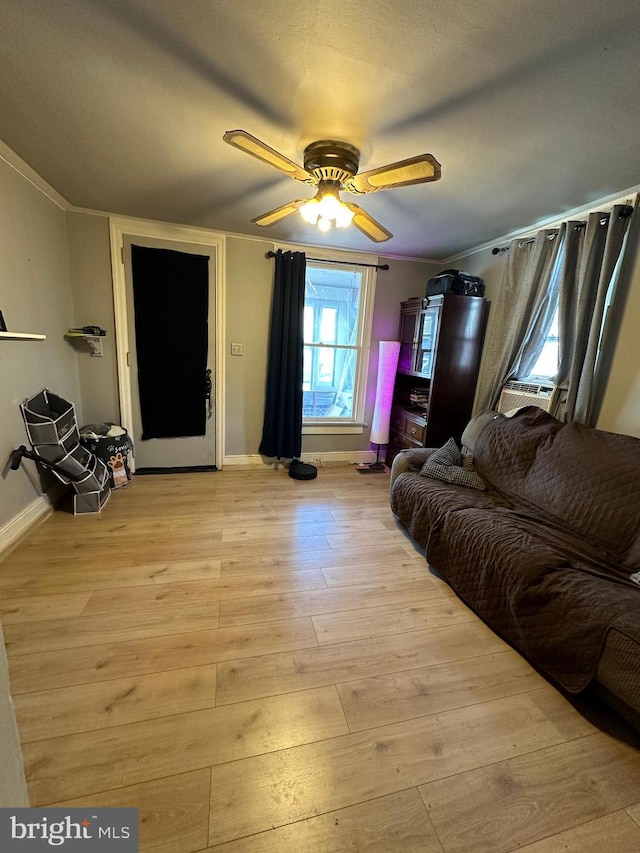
column 333, row 428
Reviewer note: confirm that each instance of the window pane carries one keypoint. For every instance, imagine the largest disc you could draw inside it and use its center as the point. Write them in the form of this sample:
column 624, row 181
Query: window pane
column 547, row 364
column 328, row 326
column 428, row 328
column 326, row 359
column 306, row 368
column 425, row 365
column 336, row 292
column 334, row 400
column 308, row 323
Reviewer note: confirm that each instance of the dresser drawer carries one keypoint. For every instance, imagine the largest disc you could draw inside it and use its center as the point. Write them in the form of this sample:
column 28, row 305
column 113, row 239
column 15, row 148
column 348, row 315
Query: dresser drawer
column 398, row 442
column 415, row 426
column 415, row 431
column 398, row 420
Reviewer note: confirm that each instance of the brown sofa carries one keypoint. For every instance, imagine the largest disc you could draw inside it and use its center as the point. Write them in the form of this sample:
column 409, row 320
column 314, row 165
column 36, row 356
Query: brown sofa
column 545, row 556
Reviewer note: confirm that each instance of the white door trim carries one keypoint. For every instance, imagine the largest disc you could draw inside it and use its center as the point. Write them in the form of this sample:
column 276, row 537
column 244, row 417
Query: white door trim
column 118, row 227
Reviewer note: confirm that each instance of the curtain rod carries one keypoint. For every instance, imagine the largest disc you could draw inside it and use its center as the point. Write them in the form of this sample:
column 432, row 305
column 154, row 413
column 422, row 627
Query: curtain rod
column 271, row 254
column 625, row 211
column 504, row 249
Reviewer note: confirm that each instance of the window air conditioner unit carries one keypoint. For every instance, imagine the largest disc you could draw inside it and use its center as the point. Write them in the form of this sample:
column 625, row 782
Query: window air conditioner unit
column 516, row 394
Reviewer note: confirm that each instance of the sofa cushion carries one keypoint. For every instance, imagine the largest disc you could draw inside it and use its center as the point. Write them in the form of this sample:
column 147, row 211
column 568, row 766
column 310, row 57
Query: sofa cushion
column 420, row 501
column 543, row 591
column 583, row 480
column 618, row 669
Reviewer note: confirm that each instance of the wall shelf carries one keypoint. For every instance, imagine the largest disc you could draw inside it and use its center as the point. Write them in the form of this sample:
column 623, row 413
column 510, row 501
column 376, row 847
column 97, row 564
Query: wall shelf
column 21, row 336
column 94, row 342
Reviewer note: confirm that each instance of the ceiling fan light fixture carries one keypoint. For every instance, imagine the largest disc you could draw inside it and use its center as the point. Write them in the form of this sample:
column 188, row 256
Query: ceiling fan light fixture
column 327, row 209
column 331, row 166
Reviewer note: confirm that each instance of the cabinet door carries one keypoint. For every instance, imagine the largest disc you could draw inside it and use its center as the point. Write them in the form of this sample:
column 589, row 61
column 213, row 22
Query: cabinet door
column 427, row 342
column 408, row 323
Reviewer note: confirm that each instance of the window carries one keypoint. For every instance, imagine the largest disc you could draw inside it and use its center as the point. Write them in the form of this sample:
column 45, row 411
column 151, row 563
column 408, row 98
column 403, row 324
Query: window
column 546, row 366
column 337, row 320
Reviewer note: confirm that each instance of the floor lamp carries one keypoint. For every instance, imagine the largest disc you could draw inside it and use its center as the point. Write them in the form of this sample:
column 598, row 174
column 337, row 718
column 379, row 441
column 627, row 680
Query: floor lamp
column 388, row 352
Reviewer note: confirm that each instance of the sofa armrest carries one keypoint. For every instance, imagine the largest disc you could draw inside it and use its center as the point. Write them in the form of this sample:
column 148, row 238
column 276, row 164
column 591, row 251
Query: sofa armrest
column 409, row 460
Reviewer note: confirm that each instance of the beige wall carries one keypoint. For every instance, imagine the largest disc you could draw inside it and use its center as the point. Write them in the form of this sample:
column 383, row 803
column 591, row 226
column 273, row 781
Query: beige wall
column 248, row 304
column 90, row 263
column 35, row 296
column 490, row 268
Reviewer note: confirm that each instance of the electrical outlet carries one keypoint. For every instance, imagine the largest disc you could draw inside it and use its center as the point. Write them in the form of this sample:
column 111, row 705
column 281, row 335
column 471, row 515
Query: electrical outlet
column 236, row 349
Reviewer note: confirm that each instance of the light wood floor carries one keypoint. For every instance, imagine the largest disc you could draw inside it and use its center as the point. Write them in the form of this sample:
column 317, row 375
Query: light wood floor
column 263, row 665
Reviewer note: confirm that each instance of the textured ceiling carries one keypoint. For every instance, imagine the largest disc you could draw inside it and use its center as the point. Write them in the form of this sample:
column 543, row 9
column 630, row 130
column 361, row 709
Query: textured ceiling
column 531, row 106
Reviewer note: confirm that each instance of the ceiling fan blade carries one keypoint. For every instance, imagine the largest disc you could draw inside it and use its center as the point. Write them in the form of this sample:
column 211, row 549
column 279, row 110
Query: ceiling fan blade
column 249, row 144
column 279, row 213
column 415, row 170
column 368, row 225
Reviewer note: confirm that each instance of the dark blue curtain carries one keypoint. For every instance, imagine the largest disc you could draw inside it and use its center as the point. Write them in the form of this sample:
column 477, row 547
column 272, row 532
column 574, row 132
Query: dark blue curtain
column 282, row 428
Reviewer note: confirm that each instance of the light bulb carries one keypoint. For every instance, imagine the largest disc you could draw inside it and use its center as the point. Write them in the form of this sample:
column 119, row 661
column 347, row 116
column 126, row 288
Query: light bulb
column 343, row 217
column 326, row 210
column 310, row 211
column 329, row 206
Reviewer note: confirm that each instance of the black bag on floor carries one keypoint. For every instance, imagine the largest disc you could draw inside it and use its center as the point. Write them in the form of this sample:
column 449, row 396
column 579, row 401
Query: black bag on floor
column 455, row 281
column 113, row 449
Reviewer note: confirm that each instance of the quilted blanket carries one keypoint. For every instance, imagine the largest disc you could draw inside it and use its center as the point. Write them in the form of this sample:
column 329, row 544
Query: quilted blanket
column 545, row 555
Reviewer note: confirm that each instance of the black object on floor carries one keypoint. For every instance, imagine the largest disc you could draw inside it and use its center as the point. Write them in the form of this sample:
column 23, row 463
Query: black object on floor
column 302, row 470
column 369, row 469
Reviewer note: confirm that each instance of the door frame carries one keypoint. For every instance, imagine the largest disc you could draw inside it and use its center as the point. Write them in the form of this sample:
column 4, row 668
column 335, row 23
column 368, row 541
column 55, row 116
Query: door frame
column 118, row 228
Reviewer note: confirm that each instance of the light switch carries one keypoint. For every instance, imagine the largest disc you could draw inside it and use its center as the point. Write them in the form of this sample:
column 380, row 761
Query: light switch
column 236, row 349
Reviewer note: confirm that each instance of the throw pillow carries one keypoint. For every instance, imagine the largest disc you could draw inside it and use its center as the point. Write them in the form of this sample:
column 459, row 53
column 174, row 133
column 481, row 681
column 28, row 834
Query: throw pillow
column 449, row 465
column 448, row 454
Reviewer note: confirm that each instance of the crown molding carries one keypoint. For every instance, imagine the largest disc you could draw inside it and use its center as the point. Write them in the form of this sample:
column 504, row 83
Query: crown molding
column 626, row 197
column 8, row 156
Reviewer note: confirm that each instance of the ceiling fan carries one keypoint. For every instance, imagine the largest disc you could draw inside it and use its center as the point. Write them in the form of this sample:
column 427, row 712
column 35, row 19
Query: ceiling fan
column 332, row 166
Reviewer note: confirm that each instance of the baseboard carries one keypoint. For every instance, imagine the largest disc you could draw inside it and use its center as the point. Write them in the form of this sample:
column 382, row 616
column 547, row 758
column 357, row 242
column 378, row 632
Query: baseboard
column 346, row 457
column 188, row 469
column 14, row 531
column 252, row 460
